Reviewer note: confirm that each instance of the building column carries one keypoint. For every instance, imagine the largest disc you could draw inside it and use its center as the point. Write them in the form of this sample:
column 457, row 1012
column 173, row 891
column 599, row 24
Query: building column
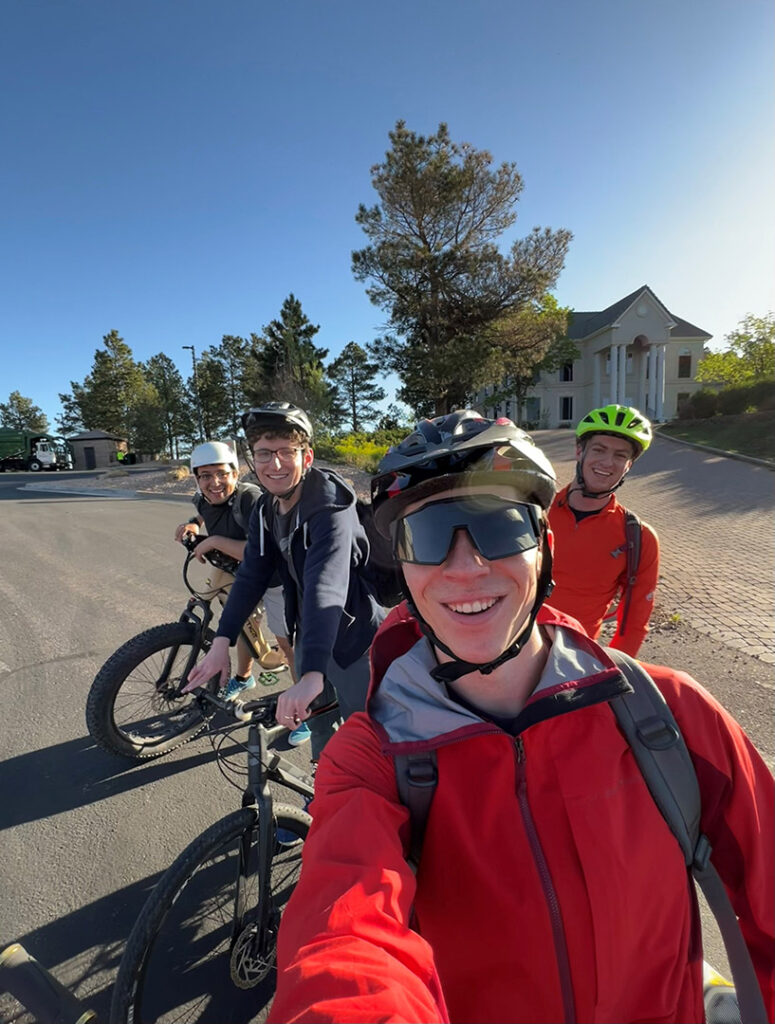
column 614, row 350
column 597, row 359
column 642, row 403
column 660, row 407
column 651, row 405
column 622, row 389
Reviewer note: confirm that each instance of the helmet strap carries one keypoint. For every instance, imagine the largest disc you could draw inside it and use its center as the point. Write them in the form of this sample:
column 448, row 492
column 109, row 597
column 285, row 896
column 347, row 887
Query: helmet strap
column 449, row 671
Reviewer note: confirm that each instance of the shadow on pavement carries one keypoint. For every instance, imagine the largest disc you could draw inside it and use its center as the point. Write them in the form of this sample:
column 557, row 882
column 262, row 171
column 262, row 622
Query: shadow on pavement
column 77, row 773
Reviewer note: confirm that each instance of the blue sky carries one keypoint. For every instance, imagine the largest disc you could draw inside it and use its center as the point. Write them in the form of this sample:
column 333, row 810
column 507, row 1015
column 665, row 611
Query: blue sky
column 174, row 168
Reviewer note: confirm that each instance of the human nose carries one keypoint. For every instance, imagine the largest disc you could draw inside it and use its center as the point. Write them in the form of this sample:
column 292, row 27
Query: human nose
column 464, row 558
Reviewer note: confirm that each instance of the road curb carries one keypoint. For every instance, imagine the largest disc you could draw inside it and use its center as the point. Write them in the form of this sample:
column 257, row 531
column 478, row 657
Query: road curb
column 765, row 463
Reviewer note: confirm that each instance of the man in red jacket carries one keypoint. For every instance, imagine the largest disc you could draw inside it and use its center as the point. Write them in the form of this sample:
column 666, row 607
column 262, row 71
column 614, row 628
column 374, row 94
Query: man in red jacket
column 590, row 541
column 549, row 887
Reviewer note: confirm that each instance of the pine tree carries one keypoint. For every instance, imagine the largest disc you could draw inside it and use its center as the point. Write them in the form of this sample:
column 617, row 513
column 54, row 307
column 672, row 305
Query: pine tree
column 353, row 376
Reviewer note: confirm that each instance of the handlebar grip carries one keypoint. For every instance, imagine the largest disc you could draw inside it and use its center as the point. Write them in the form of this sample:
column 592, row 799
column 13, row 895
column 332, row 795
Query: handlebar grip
column 39, row 991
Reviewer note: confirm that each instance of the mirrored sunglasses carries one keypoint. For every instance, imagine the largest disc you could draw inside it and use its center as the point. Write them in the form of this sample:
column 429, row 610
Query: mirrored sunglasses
column 498, row 528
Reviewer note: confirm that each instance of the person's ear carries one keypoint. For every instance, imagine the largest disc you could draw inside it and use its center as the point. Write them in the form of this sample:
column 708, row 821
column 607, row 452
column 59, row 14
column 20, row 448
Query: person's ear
column 579, row 451
column 308, row 458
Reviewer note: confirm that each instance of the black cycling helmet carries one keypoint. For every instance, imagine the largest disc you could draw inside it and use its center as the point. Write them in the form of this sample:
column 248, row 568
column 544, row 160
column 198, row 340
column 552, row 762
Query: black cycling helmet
column 458, row 450
column 276, row 416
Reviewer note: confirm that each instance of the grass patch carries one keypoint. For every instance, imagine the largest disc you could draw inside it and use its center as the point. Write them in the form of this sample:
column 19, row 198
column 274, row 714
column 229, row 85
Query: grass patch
column 751, row 433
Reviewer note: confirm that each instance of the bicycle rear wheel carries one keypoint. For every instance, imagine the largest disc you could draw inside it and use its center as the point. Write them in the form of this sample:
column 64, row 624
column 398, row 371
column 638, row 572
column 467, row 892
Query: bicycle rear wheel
column 133, row 708
column 187, row 957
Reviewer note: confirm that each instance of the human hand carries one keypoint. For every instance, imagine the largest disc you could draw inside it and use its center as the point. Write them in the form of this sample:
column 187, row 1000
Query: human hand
column 204, row 545
column 185, row 528
column 293, row 704
column 215, row 662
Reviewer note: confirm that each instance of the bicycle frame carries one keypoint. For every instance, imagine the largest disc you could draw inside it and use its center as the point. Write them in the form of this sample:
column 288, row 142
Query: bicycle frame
column 264, row 766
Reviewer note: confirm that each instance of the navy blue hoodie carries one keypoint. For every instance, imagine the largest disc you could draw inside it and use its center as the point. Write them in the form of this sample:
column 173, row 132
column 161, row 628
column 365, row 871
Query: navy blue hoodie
column 328, row 546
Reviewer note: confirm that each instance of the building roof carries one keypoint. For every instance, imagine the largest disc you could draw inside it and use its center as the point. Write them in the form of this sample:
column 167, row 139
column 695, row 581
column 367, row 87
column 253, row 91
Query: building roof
column 95, row 435
column 582, row 325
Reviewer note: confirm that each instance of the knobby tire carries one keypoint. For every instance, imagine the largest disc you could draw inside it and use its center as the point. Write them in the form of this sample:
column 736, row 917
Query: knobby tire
column 178, row 961
column 126, row 714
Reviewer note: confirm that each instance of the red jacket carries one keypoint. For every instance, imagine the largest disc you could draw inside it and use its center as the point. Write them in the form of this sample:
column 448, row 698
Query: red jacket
column 549, row 888
column 590, row 568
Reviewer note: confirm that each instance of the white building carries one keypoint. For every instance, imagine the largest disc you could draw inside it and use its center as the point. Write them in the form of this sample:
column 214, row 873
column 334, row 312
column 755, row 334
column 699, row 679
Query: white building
column 635, row 352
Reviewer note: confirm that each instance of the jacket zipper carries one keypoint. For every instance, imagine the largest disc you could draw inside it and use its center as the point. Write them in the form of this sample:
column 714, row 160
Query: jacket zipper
column 558, row 931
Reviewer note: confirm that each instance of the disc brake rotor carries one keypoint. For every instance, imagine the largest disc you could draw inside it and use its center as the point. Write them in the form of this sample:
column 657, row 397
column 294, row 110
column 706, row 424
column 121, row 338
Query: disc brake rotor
column 248, row 964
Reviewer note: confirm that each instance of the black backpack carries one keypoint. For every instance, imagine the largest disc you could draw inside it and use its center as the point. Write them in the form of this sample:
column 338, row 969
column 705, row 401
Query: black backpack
column 631, row 548
column 661, row 753
column 381, row 571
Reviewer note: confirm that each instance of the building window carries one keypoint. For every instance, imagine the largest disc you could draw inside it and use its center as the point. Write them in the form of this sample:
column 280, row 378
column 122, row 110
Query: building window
column 684, row 366
column 566, row 408
column 566, row 373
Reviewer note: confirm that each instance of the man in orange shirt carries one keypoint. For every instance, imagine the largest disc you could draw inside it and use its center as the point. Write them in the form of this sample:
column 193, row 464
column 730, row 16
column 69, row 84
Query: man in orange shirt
column 590, row 542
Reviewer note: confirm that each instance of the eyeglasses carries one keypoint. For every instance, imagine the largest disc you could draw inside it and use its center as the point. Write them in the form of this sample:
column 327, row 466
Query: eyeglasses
column 219, row 475
column 498, row 527
column 264, row 455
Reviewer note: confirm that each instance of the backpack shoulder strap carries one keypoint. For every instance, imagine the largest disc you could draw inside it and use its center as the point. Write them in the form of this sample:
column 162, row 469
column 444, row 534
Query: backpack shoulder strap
column 664, row 761
column 632, row 540
column 416, row 777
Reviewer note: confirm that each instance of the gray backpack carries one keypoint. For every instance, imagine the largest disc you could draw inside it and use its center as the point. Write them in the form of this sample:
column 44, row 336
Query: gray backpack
column 663, row 758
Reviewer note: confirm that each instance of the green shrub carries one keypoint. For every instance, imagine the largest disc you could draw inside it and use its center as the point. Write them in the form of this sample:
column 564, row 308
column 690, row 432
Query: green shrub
column 700, row 406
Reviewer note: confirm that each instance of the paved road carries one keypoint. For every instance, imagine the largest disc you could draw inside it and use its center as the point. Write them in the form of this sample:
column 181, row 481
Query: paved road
column 84, row 835
column 714, row 517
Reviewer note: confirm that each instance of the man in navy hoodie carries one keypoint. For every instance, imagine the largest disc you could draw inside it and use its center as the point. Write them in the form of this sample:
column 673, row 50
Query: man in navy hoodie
column 306, row 526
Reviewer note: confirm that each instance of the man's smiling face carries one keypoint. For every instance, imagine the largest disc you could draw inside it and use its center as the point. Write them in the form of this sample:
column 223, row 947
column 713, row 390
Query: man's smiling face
column 286, row 462
column 604, row 461
column 216, row 482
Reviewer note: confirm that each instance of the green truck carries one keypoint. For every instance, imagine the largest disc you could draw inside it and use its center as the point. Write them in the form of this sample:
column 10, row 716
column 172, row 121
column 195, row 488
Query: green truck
column 24, row 449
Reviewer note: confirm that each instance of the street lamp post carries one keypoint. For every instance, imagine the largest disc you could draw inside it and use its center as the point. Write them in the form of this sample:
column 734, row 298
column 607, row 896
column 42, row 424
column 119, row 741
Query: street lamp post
column 196, row 393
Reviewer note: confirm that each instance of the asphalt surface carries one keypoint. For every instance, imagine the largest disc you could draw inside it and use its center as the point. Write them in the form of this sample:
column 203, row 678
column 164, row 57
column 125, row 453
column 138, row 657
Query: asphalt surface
column 85, row 835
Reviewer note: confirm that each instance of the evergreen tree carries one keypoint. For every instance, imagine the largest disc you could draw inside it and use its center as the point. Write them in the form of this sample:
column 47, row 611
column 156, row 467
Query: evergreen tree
column 353, row 376
column 433, row 265
column 116, row 386
column 69, row 420
column 20, row 413
column 213, row 396
column 289, row 366
column 233, row 354
column 177, row 417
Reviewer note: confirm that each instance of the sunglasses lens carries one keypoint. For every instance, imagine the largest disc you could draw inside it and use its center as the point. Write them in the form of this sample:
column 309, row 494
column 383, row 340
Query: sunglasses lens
column 497, row 527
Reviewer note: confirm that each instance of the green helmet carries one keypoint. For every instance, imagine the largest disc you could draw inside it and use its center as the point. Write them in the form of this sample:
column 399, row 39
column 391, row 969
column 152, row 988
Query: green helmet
column 620, row 421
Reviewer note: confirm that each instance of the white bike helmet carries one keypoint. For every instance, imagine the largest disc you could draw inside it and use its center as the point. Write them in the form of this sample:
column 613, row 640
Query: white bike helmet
column 214, row 453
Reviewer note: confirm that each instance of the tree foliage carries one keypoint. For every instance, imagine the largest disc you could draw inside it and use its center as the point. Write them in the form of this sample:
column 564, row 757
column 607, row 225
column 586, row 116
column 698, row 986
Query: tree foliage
column 289, row 366
column 353, row 373
column 21, row 414
column 433, row 265
column 748, row 357
column 110, row 394
column 531, row 340
column 174, row 412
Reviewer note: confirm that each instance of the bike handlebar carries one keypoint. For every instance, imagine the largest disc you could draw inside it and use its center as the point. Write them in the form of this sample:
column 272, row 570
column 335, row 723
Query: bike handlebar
column 39, row 991
column 215, row 558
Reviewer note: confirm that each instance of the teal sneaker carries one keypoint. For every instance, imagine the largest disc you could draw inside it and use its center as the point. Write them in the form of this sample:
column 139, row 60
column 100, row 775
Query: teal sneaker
column 237, row 686
column 301, row 734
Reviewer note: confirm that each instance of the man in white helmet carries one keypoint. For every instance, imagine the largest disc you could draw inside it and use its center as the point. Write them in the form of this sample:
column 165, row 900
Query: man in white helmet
column 223, row 505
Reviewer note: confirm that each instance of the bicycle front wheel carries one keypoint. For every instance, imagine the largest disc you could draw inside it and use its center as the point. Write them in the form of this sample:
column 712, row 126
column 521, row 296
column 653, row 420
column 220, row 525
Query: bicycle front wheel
column 189, row 957
column 133, row 708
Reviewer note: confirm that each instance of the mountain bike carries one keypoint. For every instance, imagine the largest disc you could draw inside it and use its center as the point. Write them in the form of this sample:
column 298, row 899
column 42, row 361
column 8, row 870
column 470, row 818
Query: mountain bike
column 135, row 706
column 203, row 947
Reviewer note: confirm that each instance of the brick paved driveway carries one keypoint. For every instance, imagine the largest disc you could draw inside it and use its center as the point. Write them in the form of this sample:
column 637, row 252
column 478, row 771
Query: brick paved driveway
column 714, row 517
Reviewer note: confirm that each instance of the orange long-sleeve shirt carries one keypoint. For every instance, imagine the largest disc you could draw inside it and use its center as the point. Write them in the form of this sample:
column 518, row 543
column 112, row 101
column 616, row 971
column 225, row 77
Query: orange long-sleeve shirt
column 590, row 567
